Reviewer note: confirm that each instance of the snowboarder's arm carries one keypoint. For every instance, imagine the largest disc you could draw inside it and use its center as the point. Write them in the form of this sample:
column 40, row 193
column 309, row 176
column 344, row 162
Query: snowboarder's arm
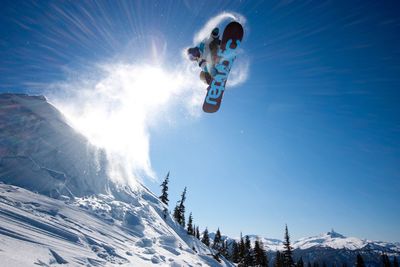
column 203, row 64
column 201, row 47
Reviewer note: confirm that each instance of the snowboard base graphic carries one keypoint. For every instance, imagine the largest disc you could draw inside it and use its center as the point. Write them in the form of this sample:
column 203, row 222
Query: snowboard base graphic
column 231, row 39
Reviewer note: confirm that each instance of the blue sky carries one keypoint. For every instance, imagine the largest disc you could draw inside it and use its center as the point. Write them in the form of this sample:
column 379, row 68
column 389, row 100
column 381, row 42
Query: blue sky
column 311, row 139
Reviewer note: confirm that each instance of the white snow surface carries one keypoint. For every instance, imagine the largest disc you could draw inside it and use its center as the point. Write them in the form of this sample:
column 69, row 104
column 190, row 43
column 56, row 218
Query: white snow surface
column 58, row 207
column 92, row 231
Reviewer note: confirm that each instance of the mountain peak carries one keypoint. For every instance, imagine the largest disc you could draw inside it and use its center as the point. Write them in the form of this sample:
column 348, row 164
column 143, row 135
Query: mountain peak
column 334, row 234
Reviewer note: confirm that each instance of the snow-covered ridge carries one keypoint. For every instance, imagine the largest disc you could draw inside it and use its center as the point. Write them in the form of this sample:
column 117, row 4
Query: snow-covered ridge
column 41, row 152
column 329, row 239
column 57, row 205
column 332, row 240
column 337, row 241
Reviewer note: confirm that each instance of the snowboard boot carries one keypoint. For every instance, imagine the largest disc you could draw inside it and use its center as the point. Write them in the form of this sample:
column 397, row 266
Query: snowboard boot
column 205, row 77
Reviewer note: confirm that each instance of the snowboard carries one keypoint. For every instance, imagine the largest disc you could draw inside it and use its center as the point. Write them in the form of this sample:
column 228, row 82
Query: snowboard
column 230, row 42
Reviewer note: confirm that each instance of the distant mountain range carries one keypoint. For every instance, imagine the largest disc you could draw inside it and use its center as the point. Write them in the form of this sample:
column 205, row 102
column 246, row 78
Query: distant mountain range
column 331, row 248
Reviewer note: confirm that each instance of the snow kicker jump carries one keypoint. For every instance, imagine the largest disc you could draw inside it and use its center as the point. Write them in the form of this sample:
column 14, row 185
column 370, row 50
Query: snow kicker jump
column 215, row 57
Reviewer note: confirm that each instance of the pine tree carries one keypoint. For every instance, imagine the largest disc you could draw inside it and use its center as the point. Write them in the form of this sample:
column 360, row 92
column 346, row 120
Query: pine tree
column 190, row 230
column 256, row 250
column 217, row 240
column 235, row 252
column 287, row 252
column 179, row 212
column 385, row 260
column 197, row 233
column 264, row 253
column 248, row 254
column 206, row 239
column 395, row 262
column 182, row 206
column 278, row 259
column 229, row 249
column 242, row 248
column 164, row 191
column 223, row 249
column 300, row 262
column 360, row 261
column 260, row 257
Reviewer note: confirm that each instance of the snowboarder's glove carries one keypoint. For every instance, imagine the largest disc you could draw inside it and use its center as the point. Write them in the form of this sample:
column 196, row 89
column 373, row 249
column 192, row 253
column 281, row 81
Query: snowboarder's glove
column 203, row 64
column 213, row 71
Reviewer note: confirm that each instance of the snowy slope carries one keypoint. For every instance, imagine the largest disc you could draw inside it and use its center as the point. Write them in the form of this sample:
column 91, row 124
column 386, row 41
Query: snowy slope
column 57, row 205
column 94, row 231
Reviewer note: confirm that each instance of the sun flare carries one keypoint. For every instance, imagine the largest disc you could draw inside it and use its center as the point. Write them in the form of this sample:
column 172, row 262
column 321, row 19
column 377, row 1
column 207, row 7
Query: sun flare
column 115, row 111
column 116, row 104
column 127, row 96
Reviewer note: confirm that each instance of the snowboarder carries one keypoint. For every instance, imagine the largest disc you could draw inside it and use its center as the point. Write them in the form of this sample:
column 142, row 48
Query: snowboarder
column 205, row 54
column 215, row 57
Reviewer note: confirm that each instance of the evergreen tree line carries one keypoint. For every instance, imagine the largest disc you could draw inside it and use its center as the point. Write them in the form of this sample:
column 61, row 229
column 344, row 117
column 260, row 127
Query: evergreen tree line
column 359, row 262
column 242, row 253
column 387, row 263
column 179, row 210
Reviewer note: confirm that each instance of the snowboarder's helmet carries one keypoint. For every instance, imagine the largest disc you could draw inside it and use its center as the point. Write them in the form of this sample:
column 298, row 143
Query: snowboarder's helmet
column 215, row 33
column 193, row 53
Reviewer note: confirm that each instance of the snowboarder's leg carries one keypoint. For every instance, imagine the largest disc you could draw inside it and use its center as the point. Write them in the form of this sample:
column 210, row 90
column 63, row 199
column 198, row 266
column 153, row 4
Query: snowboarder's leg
column 205, row 77
column 214, row 45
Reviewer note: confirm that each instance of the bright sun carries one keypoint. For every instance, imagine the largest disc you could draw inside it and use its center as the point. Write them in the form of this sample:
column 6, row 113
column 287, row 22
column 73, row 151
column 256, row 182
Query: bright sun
column 116, row 110
column 126, row 97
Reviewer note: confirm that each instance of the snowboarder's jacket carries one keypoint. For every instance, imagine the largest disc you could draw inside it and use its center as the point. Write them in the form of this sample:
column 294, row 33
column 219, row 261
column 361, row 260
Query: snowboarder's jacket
column 208, row 54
